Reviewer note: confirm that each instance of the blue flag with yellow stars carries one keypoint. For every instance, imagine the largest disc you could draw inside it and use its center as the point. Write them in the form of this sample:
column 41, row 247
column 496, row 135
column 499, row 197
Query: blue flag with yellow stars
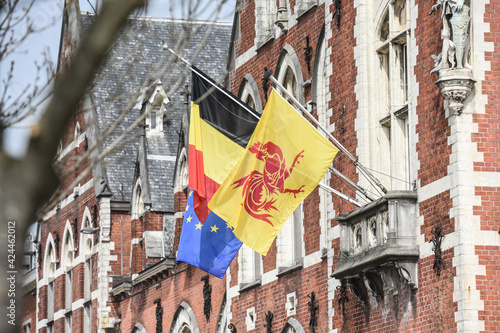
column 210, row 246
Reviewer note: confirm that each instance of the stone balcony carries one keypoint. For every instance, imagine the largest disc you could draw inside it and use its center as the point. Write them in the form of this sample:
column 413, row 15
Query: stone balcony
column 378, row 246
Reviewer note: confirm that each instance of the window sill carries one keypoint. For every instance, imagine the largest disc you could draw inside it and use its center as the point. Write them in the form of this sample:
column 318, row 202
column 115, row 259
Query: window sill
column 248, row 286
column 282, row 271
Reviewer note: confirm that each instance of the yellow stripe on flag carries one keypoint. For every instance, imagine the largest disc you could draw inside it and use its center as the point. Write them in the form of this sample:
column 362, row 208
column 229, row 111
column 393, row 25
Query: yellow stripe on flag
column 284, row 161
column 220, row 154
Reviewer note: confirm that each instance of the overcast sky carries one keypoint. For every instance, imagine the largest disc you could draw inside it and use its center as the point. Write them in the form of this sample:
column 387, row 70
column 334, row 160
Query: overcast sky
column 48, row 13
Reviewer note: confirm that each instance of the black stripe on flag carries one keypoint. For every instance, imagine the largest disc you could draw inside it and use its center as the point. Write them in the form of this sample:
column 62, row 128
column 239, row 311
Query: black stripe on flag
column 221, row 111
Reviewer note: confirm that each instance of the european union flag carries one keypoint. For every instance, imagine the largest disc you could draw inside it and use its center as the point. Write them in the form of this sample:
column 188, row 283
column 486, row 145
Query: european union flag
column 210, row 246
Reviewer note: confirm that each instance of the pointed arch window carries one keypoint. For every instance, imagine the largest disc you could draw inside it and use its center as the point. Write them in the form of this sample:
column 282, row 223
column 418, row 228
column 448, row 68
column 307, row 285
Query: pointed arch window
column 50, row 271
column 249, row 93
column 184, row 320
column 67, row 261
column 137, row 201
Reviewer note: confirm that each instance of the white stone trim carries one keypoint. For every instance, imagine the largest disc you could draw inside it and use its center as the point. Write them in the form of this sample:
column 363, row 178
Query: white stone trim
column 162, row 158
column 69, row 199
column 245, row 57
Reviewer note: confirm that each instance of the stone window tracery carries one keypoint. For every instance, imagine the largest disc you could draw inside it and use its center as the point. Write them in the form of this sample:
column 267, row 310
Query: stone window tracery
column 393, row 92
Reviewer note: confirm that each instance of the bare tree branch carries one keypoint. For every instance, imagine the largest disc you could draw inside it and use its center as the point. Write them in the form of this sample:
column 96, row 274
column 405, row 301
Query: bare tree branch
column 32, row 181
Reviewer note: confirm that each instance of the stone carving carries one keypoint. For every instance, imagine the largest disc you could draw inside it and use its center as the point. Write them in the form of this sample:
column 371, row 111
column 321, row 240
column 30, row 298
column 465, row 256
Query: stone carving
column 452, row 64
column 455, row 34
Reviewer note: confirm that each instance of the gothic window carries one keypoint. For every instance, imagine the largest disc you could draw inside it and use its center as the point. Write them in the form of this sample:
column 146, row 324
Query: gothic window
column 137, row 201
column 67, row 247
column 393, row 91
column 248, row 99
column 67, row 264
column 289, row 82
column 289, row 73
column 320, row 91
column 86, row 240
column 50, row 261
column 249, row 93
column 156, row 107
column 50, row 270
column 184, row 320
column 293, row 326
column 182, row 172
column 289, row 329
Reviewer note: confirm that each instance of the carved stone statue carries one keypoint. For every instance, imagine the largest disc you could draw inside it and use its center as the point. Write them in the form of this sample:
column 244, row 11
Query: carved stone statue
column 455, row 15
column 452, row 64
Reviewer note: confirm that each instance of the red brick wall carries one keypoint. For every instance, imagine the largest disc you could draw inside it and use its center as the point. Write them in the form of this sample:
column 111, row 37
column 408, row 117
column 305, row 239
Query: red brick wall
column 29, row 309
column 183, row 286
column 432, row 127
column 271, row 297
column 489, row 256
column 488, row 143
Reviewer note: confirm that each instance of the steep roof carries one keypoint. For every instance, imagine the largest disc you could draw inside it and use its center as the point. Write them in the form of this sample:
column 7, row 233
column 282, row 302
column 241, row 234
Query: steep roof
column 135, row 60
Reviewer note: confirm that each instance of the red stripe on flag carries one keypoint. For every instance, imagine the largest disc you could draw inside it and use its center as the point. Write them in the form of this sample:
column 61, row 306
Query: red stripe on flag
column 203, row 187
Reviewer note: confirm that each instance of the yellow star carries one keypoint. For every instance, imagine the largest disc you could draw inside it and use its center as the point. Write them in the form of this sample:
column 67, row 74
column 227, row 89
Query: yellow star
column 228, row 226
column 187, row 207
column 199, row 225
column 214, row 228
column 189, row 219
column 191, row 193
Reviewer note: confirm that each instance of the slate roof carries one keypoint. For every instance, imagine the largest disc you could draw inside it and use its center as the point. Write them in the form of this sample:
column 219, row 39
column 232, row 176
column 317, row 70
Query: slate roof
column 135, row 58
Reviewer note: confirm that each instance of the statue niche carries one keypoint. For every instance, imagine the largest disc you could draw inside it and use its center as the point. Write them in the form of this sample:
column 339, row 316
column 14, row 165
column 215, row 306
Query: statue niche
column 452, row 64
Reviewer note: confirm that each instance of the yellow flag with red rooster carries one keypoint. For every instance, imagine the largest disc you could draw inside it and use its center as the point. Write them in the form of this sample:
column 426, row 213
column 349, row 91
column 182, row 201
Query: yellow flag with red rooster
column 283, row 162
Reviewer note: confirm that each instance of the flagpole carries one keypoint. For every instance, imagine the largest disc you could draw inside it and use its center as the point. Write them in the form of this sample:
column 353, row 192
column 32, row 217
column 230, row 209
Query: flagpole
column 335, row 141
column 166, row 47
column 353, row 184
column 340, row 194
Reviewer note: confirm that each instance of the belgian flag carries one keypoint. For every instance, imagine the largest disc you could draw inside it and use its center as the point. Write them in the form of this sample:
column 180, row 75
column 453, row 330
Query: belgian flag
column 220, row 127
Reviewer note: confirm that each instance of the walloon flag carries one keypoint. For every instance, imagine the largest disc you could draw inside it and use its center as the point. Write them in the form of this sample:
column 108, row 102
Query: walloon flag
column 220, row 128
column 283, row 162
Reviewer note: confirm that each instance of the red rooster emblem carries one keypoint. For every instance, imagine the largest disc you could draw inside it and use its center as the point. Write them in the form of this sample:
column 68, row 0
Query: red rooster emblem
column 260, row 189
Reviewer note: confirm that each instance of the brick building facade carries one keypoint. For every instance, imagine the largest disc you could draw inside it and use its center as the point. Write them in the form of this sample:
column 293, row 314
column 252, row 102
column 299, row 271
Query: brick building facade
column 420, row 255
column 381, row 76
